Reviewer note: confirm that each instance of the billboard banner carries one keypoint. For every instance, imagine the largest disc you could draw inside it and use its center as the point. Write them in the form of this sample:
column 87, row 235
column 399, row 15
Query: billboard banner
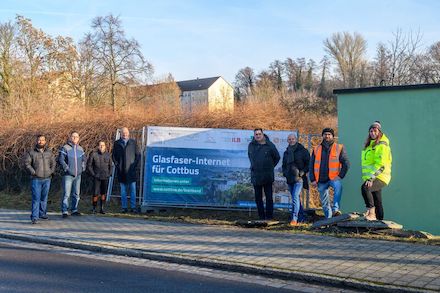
column 205, row 167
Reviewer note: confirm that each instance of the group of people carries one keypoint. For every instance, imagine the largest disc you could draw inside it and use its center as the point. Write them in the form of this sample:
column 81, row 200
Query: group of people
column 40, row 162
column 326, row 167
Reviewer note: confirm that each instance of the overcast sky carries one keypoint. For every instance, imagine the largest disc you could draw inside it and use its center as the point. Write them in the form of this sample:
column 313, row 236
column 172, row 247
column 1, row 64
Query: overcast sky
column 195, row 38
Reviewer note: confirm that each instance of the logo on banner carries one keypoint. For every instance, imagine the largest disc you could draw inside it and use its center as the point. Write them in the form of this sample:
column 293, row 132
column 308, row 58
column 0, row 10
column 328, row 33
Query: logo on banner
column 236, row 139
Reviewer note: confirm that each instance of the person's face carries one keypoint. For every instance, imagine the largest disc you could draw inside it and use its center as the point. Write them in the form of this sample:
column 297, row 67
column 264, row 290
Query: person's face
column 102, row 147
column 327, row 136
column 291, row 139
column 374, row 133
column 41, row 141
column 258, row 135
column 74, row 138
column 125, row 134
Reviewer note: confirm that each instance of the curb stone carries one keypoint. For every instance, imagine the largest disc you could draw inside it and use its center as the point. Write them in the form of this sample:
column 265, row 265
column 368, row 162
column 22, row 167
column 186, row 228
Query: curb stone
column 220, row 264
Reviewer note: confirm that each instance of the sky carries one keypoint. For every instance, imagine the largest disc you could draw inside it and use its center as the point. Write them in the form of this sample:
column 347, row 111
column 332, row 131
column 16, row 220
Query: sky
column 196, row 38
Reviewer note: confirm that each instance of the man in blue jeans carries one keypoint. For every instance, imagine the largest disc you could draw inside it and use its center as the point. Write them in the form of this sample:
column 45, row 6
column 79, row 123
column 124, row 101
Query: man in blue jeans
column 295, row 167
column 40, row 163
column 73, row 162
column 329, row 165
column 126, row 156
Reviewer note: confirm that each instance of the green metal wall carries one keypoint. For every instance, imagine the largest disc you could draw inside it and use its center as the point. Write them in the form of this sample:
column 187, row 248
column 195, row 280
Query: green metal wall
column 411, row 120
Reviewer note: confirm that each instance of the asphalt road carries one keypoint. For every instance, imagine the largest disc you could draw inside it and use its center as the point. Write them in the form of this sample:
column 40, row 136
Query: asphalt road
column 26, row 269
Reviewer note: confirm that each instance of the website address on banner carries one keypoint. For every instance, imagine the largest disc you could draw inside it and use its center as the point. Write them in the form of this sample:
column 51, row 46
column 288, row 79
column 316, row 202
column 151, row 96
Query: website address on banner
column 171, row 181
column 178, row 190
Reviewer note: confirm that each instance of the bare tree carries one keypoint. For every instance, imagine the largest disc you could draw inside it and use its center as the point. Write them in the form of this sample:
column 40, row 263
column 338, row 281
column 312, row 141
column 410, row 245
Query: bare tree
column 299, row 79
column 323, row 89
column 403, row 57
column 309, row 80
column 433, row 58
column 120, row 59
column 277, row 70
column 245, row 81
column 348, row 50
column 92, row 80
column 264, row 89
column 32, row 44
column 290, row 68
column 7, row 35
column 382, row 65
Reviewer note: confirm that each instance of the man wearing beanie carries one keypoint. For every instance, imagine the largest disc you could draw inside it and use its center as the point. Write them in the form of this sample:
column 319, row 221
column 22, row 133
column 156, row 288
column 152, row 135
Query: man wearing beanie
column 329, row 165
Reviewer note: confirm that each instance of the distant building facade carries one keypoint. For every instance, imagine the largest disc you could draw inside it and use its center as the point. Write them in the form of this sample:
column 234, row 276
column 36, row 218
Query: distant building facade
column 213, row 93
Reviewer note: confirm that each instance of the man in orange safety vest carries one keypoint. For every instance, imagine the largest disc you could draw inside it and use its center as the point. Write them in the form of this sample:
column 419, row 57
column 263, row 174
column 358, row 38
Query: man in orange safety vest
column 328, row 165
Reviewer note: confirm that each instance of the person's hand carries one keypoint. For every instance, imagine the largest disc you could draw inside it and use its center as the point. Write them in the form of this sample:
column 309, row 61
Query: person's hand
column 368, row 183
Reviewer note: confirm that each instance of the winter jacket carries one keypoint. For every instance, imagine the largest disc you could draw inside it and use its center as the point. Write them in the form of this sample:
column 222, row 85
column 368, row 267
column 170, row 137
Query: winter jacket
column 99, row 165
column 40, row 163
column 296, row 163
column 126, row 158
column 323, row 169
column 72, row 159
column 263, row 159
column 376, row 161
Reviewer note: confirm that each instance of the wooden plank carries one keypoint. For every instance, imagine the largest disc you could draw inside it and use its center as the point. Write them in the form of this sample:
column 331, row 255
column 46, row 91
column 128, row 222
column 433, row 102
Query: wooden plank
column 256, row 223
column 335, row 220
column 370, row 224
column 405, row 233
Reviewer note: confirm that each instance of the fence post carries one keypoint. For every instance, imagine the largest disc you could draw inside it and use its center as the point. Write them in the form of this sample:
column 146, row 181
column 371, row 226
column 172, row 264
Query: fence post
column 112, row 177
column 309, row 146
column 141, row 180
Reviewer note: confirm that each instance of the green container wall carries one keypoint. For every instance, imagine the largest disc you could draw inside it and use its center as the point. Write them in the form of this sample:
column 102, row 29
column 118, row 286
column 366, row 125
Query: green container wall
column 411, row 120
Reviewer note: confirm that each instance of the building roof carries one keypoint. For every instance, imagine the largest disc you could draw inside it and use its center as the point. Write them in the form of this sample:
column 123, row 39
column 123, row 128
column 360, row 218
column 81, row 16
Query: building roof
column 196, row 84
column 387, row 88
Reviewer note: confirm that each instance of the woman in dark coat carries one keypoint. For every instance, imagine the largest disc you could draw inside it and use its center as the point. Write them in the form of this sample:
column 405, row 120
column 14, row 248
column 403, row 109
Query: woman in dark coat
column 99, row 166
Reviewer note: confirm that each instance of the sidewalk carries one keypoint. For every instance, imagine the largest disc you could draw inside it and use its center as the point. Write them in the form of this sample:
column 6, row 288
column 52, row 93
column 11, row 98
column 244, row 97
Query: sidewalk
column 357, row 263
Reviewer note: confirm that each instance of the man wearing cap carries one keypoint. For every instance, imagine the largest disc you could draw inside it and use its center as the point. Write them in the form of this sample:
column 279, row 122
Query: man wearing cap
column 329, row 165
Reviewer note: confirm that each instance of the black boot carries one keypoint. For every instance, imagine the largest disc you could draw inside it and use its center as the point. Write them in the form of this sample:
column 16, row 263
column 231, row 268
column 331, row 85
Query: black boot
column 94, row 203
column 102, row 204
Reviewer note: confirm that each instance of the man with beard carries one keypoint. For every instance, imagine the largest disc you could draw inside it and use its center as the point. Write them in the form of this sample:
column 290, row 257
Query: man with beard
column 329, row 165
column 40, row 163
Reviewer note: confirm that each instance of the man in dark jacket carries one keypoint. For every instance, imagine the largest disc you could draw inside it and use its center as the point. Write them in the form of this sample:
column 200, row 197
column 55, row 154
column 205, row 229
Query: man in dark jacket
column 40, row 163
column 329, row 165
column 99, row 166
column 263, row 157
column 295, row 167
column 126, row 156
column 72, row 160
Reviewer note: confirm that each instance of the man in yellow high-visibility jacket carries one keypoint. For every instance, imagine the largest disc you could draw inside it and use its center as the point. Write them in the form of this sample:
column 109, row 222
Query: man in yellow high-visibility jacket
column 376, row 170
